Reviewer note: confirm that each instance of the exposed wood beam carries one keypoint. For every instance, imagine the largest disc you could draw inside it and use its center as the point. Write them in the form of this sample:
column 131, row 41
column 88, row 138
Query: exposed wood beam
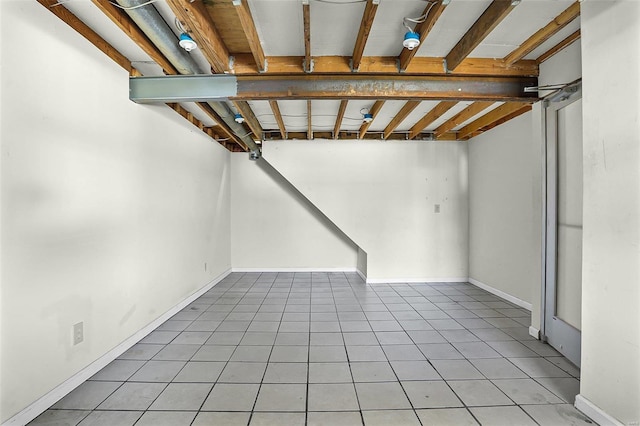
column 249, row 27
column 400, row 116
column 276, row 112
column 363, row 34
column 525, row 108
column 309, row 124
column 433, row 12
column 83, row 29
column 374, row 110
column 126, row 24
column 306, row 18
column 470, row 111
column 489, row 19
column 490, row 117
column 558, row 47
column 430, row 117
column 543, row 34
column 249, row 117
column 341, row 111
column 245, row 64
column 196, row 18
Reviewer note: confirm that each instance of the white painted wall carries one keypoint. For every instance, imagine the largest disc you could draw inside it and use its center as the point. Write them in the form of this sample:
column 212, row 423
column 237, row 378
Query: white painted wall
column 610, row 376
column 505, row 166
column 110, row 210
column 274, row 227
column 503, row 249
column 382, row 195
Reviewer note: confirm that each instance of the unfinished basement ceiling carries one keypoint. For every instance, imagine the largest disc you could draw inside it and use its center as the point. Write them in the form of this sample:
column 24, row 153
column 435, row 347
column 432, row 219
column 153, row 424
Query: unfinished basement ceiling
column 234, row 35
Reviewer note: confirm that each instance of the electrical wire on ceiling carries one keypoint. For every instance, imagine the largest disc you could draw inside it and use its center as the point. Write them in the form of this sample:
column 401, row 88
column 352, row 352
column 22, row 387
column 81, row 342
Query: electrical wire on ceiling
column 133, row 7
column 420, row 19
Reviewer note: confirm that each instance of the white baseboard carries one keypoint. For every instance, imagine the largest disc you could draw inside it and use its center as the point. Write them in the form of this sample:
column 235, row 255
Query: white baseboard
column 362, row 275
column 534, row 332
column 415, row 280
column 43, row 403
column 502, row 294
column 294, row 270
column 595, row 413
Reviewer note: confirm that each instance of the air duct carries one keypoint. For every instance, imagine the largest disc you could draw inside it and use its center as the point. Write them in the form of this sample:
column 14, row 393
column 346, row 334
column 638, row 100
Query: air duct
column 154, row 26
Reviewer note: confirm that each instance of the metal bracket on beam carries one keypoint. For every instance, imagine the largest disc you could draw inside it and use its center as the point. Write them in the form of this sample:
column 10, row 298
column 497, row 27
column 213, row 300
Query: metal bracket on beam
column 351, row 66
column 311, row 65
column 266, row 66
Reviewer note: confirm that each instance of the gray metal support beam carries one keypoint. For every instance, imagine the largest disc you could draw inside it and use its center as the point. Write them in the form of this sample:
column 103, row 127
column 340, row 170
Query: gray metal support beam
column 203, row 88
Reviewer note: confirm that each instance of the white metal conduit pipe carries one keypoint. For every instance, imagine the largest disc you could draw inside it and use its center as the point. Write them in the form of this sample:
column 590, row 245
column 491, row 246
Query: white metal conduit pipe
column 154, row 26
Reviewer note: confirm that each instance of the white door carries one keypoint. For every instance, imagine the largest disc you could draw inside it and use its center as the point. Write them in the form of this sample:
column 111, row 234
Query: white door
column 563, row 289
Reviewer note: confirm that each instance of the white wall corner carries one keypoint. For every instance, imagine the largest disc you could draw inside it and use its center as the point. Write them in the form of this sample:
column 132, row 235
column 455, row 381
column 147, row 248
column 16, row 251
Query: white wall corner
column 502, row 294
column 534, row 332
column 362, row 275
column 39, row 406
column 595, row 413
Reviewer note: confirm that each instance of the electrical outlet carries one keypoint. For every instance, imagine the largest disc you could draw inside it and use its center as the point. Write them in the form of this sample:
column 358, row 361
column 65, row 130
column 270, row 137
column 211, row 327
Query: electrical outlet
column 78, row 333
column 436, row 208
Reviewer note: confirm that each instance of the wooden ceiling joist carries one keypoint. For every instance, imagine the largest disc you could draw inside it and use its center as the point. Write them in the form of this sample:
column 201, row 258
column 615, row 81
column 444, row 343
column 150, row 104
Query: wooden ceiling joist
column 464, row 115
column 196, row 18
column 249, row 117
column 399, row 117
column 306, row 18
column 363, row 34
column 244, row 64
column 525, row 108
column 249, row 27
column 542, row 35
column 558, row 47
column 375, row 109
column 126, row 24
column 341, row 111
column 490, row 18
column 309, row 121
column 433, row 12
column 502, row 111
column 430, row 117
column 276, row 113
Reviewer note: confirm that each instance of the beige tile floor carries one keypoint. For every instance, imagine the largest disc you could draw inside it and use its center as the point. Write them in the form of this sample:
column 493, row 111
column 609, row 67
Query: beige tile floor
column 327, row 349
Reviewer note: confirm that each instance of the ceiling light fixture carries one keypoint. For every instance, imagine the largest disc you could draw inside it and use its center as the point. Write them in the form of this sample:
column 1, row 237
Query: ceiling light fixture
column 367, row 117
column 238, row 118
column 411, row 40
column 187, row 43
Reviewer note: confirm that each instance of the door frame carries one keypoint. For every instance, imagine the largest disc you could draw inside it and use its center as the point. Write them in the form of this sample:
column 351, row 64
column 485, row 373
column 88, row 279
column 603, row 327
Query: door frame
column 562, row 336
